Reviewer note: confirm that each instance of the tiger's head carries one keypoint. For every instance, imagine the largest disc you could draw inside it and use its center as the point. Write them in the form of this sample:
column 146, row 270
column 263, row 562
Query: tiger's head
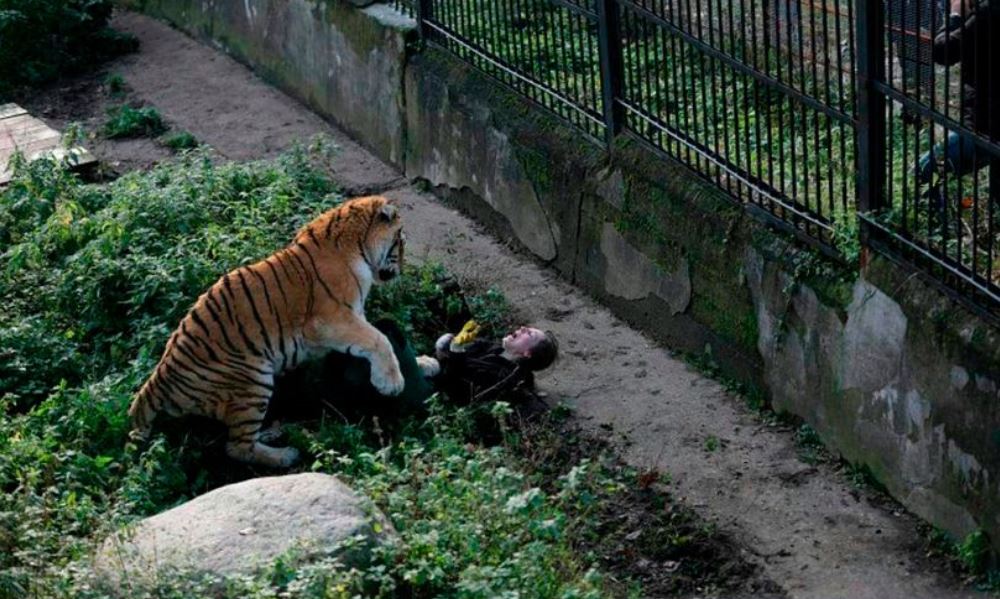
column 368, row 227
column 385, row 241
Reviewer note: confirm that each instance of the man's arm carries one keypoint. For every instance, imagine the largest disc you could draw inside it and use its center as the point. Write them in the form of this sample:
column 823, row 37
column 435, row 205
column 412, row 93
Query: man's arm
column 959, row 31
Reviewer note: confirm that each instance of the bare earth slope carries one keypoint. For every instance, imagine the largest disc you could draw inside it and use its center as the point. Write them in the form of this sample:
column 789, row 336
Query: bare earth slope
column 812, row 531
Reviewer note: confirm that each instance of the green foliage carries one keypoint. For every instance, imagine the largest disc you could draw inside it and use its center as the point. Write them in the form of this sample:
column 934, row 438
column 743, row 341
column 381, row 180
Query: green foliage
column 115, row 85
column 862, row 477
column 39, row 39
column 847, row 236
column 810, row 445
column 972, row 556
column 425, row 304
column 974, row 552
column 125, row 121
column 181, row 140
column 711, row 443
column 94, row 277
column 492, row 310
column 107, row 270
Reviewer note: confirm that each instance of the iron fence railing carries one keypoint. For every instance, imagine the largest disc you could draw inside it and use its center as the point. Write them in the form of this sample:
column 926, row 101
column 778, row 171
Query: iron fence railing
column 937, row 94
column 545, row 49
column 840, row 120
column 762, row 109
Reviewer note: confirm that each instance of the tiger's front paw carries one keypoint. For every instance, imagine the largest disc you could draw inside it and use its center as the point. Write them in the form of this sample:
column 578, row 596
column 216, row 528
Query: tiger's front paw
column 388, row 381
column 429, row 367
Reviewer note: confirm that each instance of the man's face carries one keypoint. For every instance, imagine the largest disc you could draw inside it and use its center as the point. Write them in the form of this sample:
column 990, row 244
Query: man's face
column 522, row 342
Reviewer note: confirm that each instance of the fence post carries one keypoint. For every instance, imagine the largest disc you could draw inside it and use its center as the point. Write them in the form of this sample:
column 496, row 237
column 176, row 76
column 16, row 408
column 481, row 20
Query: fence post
column 423, row 17
column 609, row 37
column 871, row 126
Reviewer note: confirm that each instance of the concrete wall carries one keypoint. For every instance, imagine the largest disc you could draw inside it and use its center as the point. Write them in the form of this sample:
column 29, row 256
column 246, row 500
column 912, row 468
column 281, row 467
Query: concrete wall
column 892, row 373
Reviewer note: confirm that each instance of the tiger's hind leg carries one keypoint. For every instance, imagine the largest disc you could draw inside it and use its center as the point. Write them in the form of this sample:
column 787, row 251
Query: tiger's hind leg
column 244, row 438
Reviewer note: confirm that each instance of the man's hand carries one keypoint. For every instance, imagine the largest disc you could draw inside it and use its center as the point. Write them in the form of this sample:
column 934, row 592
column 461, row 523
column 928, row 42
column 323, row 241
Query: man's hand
column 469, row 333
column 961, row 7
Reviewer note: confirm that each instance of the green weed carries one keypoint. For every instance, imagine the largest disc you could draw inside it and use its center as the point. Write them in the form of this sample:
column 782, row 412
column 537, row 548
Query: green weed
column 41, row 39
column 125, row 121
column 181, row 140
column 810, row 445
column 115, row 84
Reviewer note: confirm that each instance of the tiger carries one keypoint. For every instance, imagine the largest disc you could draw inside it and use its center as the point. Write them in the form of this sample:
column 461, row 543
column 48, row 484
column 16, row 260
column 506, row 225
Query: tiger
column 261, row 320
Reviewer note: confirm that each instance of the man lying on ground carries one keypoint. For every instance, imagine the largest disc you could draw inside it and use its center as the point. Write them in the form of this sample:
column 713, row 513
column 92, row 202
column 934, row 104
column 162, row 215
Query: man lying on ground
column 465, row 369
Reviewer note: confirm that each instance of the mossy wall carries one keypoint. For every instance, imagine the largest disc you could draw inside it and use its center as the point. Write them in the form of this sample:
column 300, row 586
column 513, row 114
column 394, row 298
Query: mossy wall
column 891, row 372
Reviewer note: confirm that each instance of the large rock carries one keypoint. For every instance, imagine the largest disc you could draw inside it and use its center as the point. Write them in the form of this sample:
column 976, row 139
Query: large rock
column 241, row 527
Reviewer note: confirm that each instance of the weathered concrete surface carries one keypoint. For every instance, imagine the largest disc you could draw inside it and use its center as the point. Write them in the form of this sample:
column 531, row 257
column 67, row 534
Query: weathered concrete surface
column 631, row 275
column 345, row 63
column 886, row 391
column 448, row 147
column 808, row 527
column 673, row 256
column 244, row 526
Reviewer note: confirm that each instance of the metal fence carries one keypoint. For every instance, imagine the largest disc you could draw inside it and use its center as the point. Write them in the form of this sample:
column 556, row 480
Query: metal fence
column 812, row 113
column 934, row 108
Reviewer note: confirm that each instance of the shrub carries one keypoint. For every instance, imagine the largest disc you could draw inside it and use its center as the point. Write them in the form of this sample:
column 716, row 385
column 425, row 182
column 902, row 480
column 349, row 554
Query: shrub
column 182, row 140
column 115, row 84
column 125, row 121
column 39, row 39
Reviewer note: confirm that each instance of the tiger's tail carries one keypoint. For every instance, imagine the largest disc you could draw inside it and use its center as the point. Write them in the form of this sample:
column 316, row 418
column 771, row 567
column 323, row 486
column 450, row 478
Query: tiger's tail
column 141, row 414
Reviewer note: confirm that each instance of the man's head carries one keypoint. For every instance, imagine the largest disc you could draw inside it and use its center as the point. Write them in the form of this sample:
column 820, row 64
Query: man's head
column 532, row 348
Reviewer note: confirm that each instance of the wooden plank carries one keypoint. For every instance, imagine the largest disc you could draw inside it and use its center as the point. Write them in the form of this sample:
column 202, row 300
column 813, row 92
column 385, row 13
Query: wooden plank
column 18, row 121
column 9, row 110
column 8, row 143
column 21, row 132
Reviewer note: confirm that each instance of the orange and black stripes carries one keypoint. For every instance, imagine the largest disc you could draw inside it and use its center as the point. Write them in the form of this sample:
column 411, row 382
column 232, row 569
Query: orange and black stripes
column 254, row 323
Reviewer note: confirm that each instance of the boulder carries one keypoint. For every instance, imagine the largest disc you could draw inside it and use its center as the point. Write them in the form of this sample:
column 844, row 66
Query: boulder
column 241, row 527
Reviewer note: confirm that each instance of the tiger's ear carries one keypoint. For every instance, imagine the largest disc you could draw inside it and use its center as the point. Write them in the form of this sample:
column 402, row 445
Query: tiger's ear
column 388, row 212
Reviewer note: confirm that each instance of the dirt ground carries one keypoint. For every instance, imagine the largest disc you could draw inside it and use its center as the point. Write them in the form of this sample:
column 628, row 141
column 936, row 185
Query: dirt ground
column 807, row 526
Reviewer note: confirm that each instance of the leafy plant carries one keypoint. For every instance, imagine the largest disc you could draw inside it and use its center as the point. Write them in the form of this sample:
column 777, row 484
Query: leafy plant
column 181, row 140
column 810, row 445
column 39, row 39
column 125, row 121
column 115, row 85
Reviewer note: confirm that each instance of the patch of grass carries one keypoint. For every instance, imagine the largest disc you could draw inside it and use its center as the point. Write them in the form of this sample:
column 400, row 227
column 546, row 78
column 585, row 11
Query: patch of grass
column 969, row 557
column 810, row 445
column 861, row 476
column 181, row 140
column 115, row 84
column 492, row 310
column 711, row 443
column 125, row 121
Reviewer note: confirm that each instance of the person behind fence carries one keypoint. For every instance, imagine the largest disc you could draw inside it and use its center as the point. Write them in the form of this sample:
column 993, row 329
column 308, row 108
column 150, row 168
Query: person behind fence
column 969, row 37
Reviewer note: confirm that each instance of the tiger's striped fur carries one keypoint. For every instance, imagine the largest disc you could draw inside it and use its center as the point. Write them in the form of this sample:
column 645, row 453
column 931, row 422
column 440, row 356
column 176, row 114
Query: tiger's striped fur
column 260, row 320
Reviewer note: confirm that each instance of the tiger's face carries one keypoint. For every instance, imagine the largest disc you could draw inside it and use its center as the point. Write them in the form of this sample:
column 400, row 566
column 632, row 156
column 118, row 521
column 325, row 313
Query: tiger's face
column 386, row 242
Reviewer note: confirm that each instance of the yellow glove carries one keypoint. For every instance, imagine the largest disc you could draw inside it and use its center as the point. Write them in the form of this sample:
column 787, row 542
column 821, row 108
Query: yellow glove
column 469, row 333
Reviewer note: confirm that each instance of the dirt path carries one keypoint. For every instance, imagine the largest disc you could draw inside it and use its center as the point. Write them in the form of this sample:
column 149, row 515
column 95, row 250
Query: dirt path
column 809, row 528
